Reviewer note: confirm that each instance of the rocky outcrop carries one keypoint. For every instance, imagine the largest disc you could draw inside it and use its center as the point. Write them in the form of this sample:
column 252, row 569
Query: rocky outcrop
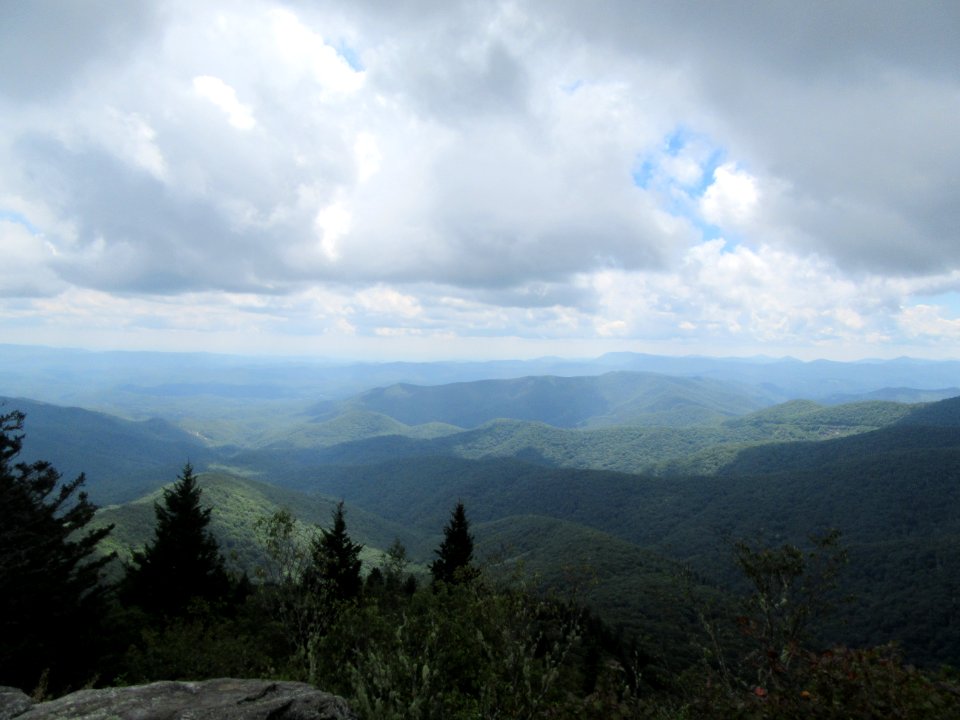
column 223, row 699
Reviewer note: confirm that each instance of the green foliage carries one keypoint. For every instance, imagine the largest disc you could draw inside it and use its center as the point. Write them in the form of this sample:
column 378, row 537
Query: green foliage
column 301, row 613
column 200, row 644
column 836, row 684
column 790, row 591
column 893, row 491
column 459, row 651
column 634, row 590
column 394, row 571
column 237, row 504
column 334, row 568
column 50, row 601
column 183, row 562
column 777, row 675
column 455, row 553
column 486, row 650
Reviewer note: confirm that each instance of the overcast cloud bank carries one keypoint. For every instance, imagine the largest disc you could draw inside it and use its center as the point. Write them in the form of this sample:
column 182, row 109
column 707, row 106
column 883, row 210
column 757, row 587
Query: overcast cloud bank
column 509, row 178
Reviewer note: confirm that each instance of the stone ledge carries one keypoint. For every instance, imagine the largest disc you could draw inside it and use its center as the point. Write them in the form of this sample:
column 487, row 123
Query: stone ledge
column 224, row 698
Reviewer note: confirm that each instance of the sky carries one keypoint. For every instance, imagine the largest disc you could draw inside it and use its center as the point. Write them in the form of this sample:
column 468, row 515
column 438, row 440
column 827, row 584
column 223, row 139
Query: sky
column 441, row 180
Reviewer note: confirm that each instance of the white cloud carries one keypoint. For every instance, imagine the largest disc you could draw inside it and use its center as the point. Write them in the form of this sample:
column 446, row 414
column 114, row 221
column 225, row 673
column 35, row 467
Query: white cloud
column 763, row 295
column 225, row 97
column 134, row 140
column 301, row 48
column 387, row 301
column 927, row 322
column 25, row 270
column 333, row 223
column 368, row 156
column 731, row 198
column 471, row 170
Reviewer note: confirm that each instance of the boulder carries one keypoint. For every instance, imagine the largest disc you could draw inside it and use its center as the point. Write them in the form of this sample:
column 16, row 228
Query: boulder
column 13, row 702
column 225, row 699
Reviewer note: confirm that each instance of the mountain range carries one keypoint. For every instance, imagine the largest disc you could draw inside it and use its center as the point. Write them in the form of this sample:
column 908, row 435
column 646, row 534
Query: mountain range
column 626, row 479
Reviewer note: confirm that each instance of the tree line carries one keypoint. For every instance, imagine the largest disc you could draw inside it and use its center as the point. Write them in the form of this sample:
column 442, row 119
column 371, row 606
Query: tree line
column 456, row 644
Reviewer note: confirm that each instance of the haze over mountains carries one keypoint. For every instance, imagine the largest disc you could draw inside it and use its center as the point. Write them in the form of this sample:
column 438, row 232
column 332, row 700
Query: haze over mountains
column 626, row 466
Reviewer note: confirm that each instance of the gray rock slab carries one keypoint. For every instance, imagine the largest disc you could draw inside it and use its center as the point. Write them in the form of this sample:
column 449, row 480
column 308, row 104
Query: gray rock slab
column 222, row 699
column 13, row 702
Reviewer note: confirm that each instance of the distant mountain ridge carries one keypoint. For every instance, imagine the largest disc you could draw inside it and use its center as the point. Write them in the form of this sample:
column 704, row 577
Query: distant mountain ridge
column 896, row 394
column 615, row 398
column 247, row 400
column 125, row 458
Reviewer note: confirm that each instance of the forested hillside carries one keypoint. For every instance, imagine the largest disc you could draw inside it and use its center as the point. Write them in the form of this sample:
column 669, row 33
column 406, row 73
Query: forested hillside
column 363, row 437
column 890, row 478
column 238, row 504
column 892, row 492
column 126, row 459
column 640, row 523
column 620, row 398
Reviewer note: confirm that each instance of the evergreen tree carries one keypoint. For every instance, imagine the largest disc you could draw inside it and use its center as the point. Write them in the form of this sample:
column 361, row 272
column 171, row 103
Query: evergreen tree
column 335, row 561
column 456, row 551
column 50, row 596
column 183, row 562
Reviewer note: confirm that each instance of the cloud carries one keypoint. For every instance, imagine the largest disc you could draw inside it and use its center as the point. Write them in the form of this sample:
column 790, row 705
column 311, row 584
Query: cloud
column 47, row 46
column 527, row 169
column 25, row 270
column 927, row 321
column 731, row 199
column 225, row 97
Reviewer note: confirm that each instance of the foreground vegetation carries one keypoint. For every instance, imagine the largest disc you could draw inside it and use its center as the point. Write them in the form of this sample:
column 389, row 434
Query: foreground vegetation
column 459, row 642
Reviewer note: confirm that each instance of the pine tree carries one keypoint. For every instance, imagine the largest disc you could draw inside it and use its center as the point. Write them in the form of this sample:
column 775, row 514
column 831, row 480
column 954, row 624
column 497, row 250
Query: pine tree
column 335, row 561
column 456, row 551
column 183, row 562
column 51, row 599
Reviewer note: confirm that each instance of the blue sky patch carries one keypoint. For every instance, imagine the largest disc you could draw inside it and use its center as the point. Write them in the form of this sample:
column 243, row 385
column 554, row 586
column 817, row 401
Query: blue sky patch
column 350, row 55
column 948, row 300
column 20, row 219
column 709, row 168
column 676, row 141
column 681, row 196
column 643, row 173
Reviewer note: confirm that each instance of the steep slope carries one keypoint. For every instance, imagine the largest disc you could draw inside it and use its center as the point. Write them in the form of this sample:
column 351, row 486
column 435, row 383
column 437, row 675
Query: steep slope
column 929, row 427
column 945, row 413
column 238, row 503
column 638, row 591
column 122, row 459
column 894, row 492
column 628, row 587
column 793, row 421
